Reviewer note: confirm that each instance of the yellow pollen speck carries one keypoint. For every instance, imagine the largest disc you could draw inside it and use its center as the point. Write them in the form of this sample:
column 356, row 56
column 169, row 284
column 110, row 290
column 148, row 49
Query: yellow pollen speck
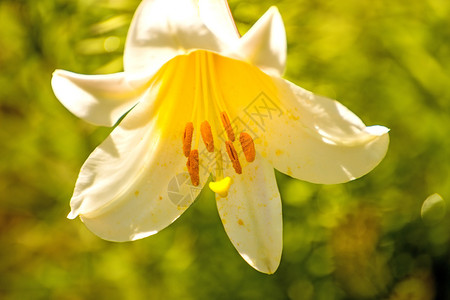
column 289, row 171
column 221, row 187
column 278, row 152
column 240, row 222
column 294, row 117
column 136, row 193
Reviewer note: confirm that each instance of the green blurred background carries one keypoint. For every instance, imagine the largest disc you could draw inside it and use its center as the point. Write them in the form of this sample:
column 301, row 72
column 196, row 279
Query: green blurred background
column 373, row 238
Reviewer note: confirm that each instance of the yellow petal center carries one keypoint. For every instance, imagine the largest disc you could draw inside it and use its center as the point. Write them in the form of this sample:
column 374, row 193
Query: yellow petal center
column 208, row 102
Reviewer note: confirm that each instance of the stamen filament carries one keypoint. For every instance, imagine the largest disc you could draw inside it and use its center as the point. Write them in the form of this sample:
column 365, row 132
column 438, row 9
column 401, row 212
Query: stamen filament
column 196, row 114
column 227, row 125
column 218, row 96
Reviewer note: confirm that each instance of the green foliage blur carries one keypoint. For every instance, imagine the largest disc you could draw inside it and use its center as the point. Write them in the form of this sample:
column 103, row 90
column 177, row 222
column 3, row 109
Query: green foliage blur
column 373, row 238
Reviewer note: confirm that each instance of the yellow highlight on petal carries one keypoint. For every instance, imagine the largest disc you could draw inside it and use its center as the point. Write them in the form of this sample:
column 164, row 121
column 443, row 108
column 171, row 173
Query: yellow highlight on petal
column 221, row 187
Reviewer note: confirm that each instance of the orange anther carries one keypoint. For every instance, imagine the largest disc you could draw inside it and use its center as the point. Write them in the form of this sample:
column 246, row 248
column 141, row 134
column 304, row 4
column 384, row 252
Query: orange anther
column 187, row 138
column 193, row 167
column 227, row 125
column 207, row 136
column 248, row 146
column 232, row 154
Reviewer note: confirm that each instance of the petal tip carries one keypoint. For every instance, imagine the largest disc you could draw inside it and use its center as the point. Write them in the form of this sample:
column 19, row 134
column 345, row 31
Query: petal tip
column 268, row 266
column 61, row 73
column 273, row 14
column 377, row 130
column 274, row 11
column 72, row 215
column 141, row 235
column 264, row 45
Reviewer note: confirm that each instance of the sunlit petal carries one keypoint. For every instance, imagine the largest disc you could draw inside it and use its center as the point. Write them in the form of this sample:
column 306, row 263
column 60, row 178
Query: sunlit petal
column 142, row 196
column 162, row 29
column 99, row 99
column 217, row 16
column 264, row 45
column 304, row 135
column 319, row 140
column 251, row 215
column 136, row 182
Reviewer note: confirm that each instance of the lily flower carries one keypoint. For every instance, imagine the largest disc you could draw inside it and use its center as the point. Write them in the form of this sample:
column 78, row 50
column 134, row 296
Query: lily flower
column 196, row 103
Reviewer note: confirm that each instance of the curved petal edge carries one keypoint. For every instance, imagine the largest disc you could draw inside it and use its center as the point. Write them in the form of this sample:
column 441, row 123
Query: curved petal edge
column 252, row 217
column 319, row 140
column 98, row 99
column 264, row 45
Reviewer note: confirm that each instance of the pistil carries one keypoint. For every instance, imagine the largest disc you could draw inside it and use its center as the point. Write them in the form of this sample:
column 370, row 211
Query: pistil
column 221, row 187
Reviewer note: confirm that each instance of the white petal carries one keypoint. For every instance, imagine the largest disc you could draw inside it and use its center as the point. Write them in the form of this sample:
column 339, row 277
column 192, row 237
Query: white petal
column 99, row 99
column 217, row 17
column 319, row 140
column 264, row 45
column 135, row 183
column 162, row 29
column 251, row 215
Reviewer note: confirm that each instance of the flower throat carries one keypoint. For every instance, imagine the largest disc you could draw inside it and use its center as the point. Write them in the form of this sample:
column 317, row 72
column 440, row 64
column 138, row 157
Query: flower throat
column 193, row 161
